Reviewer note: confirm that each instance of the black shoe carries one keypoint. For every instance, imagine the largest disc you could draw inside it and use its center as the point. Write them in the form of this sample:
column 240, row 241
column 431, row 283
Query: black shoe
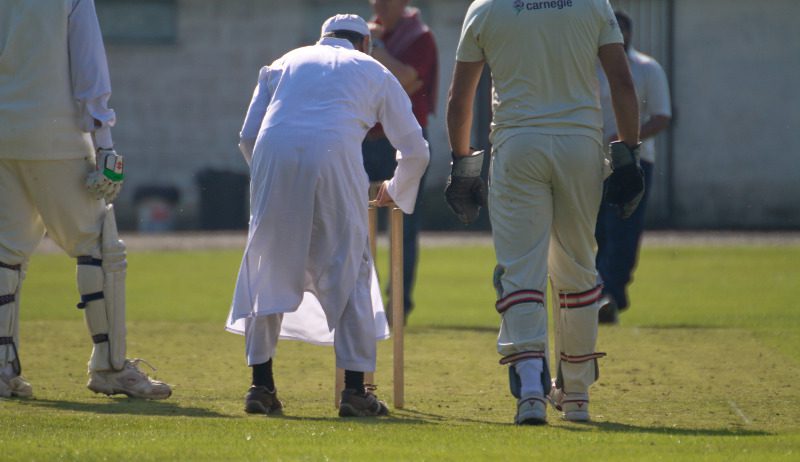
column 259, row 400
column 361, row 403
column 609, row 312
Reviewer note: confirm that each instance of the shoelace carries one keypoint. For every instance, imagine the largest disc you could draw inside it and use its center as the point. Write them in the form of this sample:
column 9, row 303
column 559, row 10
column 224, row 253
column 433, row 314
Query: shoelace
column 135, row 364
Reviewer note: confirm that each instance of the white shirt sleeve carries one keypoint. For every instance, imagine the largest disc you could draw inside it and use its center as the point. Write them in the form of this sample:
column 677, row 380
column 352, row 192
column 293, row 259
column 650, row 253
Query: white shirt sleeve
column 609, row 29
column 468, row 49
column 405, row 134
column 657, row 91
column 255, row 112
column 91, row 84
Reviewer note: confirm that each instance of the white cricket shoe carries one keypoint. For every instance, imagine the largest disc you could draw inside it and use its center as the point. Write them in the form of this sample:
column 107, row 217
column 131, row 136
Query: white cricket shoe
column 531, row 410
column 575, row 406
column 128, row 381
column 14, row 385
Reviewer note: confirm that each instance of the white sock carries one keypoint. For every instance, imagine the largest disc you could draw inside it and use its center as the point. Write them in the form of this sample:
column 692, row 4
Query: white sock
column 530, row 374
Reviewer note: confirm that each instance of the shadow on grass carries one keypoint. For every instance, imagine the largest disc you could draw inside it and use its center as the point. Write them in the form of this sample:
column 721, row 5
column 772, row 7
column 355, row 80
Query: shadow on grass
column 681, row 326
column 427, row 329
column 392, row 419
column 123, row 406
column 627, row 428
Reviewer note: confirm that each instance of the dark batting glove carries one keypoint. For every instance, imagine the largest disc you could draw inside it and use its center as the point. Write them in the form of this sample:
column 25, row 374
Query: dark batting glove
column 466, row 191
column 625, row 186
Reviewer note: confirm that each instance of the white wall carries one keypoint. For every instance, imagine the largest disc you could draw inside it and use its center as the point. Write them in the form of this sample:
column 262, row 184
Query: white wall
column 180, row 106
column 736, row 133
column 737, row 128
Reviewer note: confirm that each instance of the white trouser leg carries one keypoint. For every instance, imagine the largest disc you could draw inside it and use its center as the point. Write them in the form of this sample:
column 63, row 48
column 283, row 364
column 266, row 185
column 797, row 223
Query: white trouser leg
column 261, row 337
column 523, row 328
column 10, row 283
column 577, row 362
column 355, row 336
column 520, row 208
column 577, row 177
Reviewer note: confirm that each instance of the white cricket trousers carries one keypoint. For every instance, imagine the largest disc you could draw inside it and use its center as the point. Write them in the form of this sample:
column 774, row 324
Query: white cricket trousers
column 47, row 195
column 354, row 333
column 544, row 195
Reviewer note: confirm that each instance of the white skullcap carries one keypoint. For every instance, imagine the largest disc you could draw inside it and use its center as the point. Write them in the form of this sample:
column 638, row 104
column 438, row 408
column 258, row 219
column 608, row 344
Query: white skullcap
column 351, row 22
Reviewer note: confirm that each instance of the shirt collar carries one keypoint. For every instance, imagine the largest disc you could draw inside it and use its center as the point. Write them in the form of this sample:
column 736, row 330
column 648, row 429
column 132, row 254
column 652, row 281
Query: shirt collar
column 336, row 42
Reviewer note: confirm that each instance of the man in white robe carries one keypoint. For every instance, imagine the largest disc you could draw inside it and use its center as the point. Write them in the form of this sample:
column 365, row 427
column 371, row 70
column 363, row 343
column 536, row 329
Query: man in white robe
column 308, row 244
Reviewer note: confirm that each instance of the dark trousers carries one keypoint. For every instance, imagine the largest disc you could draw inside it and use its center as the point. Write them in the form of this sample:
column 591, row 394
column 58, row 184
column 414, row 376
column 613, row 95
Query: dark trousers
column 618, row 243
column 379, row 162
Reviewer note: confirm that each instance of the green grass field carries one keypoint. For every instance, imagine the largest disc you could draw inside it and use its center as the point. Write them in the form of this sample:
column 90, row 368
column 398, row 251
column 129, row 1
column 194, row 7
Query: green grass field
column 705, row 366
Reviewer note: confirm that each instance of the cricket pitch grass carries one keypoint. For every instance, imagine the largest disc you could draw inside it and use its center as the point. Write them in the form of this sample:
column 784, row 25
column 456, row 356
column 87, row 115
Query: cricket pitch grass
column 704, row 366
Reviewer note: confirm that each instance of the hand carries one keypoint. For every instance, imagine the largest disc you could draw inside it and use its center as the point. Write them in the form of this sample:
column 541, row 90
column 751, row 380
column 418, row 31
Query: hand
column 105, row 181
column 382, row 198
column 625, row 186
column 466, row 191
column 375, row 30
column 413, row 87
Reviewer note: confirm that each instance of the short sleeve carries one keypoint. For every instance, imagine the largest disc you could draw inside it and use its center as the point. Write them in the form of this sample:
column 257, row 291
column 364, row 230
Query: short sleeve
column 469, row 50
column 609, row 29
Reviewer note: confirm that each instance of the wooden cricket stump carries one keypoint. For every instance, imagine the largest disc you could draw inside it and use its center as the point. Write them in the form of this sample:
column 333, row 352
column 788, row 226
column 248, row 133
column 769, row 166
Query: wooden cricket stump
column 397, row 315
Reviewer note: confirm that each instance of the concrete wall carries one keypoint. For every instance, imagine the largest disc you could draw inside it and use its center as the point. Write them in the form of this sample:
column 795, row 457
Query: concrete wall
column 180, row 105
column 731, row 160
column 736, row 152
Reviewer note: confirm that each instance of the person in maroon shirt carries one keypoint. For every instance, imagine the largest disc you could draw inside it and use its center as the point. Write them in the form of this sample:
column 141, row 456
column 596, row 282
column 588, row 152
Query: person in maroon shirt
column 406, row 46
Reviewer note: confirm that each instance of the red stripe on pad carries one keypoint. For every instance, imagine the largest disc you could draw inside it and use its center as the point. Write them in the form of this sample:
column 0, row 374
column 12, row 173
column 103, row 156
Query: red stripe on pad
column 581, row 358
column 520, row 296
column 580, row 299
column 520, row 356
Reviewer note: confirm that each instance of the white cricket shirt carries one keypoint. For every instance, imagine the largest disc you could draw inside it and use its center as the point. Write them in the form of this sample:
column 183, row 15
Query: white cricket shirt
column 54, row 79
column 542, row 55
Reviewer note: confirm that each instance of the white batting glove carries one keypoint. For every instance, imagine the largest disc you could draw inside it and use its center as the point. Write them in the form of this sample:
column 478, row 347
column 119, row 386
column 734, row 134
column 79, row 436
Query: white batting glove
column 106, row 181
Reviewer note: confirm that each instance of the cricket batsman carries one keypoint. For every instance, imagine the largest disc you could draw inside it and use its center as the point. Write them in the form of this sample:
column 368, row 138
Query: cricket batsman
column 547, row 173
column 308, row 237
column 58, row 174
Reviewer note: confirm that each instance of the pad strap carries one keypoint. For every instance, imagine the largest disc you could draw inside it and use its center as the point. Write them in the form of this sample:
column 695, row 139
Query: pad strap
column 89, row 260
column 520, row 356
column 11, row 267
column 581, row 299
column 6, row 299
column 581, row 358
column 89, row 298
column 100, row 338
column 520, row 296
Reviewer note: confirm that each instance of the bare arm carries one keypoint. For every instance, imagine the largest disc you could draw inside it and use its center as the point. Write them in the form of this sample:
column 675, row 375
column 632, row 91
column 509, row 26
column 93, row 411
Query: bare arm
column 623, row 92
column 406, row 74
column 466, row 76
column 655, row 125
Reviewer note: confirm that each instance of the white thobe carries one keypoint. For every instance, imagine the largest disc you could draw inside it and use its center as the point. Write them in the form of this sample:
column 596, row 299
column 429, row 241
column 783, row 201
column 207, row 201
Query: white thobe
column 307, row 253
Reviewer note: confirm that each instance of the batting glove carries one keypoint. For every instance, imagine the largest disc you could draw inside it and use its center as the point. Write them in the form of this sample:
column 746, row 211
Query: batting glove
column 105, row 181
column 625, row 186
column 466, row 191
